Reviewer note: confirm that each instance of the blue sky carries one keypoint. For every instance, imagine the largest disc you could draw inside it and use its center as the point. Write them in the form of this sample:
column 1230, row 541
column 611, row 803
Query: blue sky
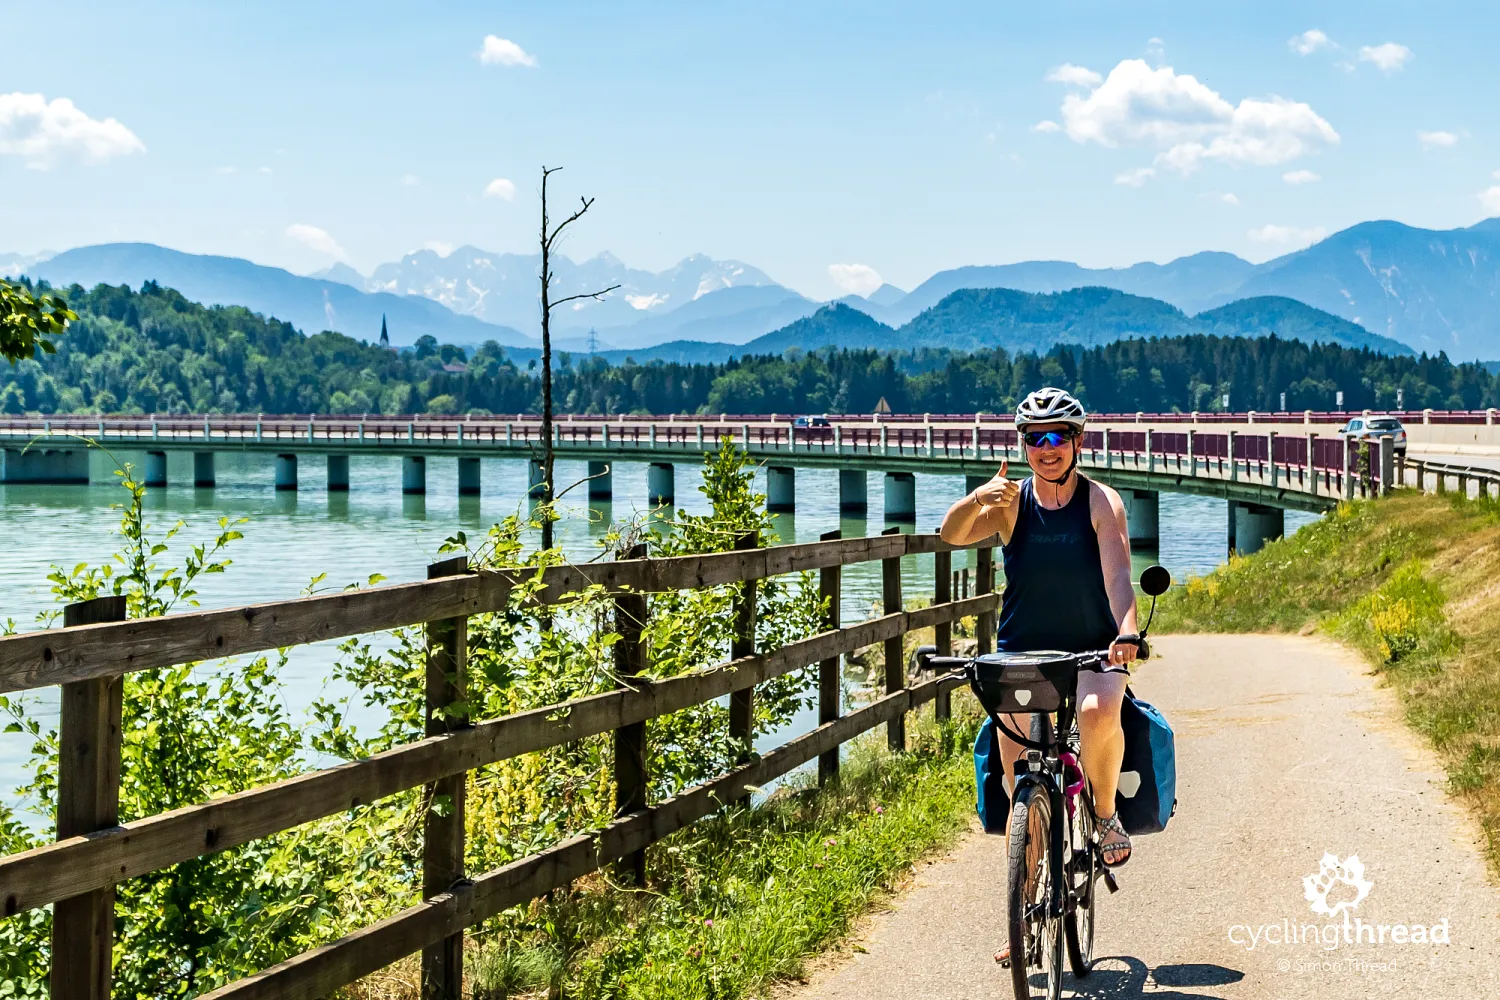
column 895, row 140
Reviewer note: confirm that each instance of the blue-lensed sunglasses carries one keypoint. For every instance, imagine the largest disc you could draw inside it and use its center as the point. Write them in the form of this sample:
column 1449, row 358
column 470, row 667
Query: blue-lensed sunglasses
column 1046, row 439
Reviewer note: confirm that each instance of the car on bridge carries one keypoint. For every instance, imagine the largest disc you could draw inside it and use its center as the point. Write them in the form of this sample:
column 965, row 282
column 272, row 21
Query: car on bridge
column 1373, row 428
column 810, row 421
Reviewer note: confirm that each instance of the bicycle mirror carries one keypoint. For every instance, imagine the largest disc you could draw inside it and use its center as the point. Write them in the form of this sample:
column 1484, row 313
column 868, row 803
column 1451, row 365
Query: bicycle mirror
column 1155, row 580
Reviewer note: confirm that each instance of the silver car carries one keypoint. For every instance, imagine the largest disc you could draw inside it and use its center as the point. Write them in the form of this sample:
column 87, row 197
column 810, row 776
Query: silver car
column 1373, row 428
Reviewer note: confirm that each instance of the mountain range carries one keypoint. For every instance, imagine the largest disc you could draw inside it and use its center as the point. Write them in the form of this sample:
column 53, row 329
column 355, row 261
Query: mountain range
column 976, row 319
column 1430, row 290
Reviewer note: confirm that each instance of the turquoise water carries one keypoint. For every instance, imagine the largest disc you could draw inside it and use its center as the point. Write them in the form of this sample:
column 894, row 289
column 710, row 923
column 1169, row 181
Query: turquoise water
column 292, row 537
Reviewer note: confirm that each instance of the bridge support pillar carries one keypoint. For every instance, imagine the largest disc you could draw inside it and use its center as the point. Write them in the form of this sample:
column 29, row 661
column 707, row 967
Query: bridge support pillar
column 1143, row 514
column 156, row 469
column 1252, row 525
column 413, row 475
column 536, row 477
column 900, row 496
column 46, row 466
column 854, row 491
column 661, row 487
column 601, row 481
column 338, row 473
column 468, row 477
column 203, row 470
column 286, row 472
column 781, row 488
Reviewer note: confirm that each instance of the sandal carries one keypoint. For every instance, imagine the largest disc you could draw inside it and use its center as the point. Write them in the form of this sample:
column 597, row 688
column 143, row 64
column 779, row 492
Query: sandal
column 1111, row 825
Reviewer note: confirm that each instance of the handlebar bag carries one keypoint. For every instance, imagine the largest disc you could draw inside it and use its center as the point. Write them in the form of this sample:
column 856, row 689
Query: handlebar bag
column 991, row 797
column 1017, row 683
column 1147, row 793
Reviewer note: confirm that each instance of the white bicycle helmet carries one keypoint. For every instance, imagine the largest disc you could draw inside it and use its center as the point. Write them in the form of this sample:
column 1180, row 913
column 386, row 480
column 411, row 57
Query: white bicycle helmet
column 1050, row 406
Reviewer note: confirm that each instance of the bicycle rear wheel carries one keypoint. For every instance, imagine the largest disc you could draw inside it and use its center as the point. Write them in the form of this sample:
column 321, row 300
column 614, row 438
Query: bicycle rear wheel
column 1035, row 935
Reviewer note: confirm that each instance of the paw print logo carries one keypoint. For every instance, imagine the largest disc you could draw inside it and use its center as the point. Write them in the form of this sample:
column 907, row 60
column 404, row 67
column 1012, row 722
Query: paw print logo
column 1336, row 880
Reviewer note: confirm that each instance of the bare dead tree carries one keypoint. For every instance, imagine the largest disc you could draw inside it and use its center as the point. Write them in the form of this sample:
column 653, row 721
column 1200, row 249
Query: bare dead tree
column 550, row 236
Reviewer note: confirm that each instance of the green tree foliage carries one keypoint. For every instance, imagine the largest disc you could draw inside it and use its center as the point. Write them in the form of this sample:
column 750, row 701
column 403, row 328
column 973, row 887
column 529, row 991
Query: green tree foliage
column 154, row 351
column 28, row 319
column 198, row 731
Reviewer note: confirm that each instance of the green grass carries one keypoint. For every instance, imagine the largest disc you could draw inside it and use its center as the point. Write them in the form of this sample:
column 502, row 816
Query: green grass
column 1413, row 583
column 739, row 901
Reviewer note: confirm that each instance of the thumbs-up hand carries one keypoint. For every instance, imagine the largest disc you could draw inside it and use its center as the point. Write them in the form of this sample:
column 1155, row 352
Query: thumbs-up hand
column 998, row 492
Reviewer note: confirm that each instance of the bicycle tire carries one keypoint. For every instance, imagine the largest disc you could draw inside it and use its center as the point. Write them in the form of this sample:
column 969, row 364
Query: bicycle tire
column 1078, row 925
column 1034, row 941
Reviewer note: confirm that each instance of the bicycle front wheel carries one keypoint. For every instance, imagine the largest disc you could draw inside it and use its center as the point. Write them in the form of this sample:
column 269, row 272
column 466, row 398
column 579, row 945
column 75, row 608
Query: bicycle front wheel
column 1034, row 933
column 1083, row 872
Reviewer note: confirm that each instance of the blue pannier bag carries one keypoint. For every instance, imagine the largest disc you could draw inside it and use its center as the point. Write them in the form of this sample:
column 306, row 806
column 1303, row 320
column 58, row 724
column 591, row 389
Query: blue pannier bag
column 989, row 780
column 1147, row 796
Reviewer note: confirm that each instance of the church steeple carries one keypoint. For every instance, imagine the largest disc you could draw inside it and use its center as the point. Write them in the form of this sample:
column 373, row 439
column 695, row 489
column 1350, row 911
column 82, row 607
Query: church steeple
column 385, row 338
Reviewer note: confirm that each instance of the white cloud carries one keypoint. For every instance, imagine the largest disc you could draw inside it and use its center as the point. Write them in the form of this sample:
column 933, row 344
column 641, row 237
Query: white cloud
column 1489, row 200
column 263, row 170
column 855, row 279
column 226, row 170
column 1430, row 140
column 1388, row 57
column 1301, row 177
column 1046, row 126
column 1074, row 76
column 500, row 188
column 1309, row 42
column 410, row 180
column 499, row 51
column 316, row 239
column 1229, row 198
column 1135, row 178
column 1191, row 122
column 438, row 247
column 1287, row 234
column 44, row 133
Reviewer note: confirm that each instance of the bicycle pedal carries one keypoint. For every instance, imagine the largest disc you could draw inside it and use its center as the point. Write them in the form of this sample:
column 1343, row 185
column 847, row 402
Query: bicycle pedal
column 1109, row 881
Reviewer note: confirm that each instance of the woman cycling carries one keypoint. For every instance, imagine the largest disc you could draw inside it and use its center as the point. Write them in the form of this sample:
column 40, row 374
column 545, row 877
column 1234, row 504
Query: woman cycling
column 1067, row 582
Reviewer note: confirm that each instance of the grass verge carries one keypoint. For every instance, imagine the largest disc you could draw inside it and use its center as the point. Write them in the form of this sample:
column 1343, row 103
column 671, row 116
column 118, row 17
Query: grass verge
column 1413, row 583
column 739, row 901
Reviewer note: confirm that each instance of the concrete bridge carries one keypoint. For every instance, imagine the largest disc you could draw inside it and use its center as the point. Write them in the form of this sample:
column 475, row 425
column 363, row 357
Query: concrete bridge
column 1261, row 464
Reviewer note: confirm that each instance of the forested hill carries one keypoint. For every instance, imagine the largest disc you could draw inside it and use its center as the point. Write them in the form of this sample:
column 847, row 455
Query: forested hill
column 980, row 319
column 154, row 351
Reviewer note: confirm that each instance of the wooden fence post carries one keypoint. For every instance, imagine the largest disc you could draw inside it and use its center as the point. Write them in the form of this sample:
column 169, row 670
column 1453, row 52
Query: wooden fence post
column 942, row 575
column 443, row 820
column 88, row 799
column 895, row 660
column 985, row 585
column 742, row 702
column 830, row 690
column 630, row 741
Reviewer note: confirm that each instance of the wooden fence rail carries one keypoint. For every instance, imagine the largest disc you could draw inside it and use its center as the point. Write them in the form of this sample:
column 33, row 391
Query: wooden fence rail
column 94, row 853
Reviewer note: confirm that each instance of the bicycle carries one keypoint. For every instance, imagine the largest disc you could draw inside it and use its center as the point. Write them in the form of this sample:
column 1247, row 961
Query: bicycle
column 1054, row 863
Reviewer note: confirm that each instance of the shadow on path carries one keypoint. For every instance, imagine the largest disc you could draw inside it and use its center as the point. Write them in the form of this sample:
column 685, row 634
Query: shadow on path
column 1108, row 981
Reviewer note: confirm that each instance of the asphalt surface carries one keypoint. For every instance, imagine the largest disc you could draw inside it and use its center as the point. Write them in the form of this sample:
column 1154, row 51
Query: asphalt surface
column 1287, row 751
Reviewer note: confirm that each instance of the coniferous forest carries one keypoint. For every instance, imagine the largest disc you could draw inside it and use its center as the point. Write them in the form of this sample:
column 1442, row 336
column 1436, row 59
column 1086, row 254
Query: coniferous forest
column 153, row 351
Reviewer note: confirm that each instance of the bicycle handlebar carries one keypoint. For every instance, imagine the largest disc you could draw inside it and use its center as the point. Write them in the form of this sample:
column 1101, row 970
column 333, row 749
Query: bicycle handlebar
column 1084, row 661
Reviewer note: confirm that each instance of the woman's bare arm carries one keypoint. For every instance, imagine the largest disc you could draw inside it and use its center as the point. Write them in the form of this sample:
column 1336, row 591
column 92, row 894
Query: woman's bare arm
column 984, row 512
column 1108, row 513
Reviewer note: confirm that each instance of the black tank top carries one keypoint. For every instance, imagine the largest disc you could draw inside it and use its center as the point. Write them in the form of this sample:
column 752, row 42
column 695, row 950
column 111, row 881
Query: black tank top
column 1054, row 584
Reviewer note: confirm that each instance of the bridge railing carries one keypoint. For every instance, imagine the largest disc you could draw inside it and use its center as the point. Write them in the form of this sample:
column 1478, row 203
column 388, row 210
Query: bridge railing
column 94, row 851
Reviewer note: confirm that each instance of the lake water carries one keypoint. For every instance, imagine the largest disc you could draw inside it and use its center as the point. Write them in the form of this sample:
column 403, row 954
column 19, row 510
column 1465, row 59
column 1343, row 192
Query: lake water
column 293, row 537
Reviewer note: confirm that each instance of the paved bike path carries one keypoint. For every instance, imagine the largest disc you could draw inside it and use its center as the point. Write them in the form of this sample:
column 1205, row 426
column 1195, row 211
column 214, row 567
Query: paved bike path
column 1287, row 750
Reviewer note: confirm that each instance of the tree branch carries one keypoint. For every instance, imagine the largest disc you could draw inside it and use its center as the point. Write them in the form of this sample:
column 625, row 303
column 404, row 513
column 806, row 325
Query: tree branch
column 585, row 295
column 587, row 202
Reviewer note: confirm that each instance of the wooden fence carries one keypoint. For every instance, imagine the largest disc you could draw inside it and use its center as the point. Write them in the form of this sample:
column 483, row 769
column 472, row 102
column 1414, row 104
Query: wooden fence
column 94, row 851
